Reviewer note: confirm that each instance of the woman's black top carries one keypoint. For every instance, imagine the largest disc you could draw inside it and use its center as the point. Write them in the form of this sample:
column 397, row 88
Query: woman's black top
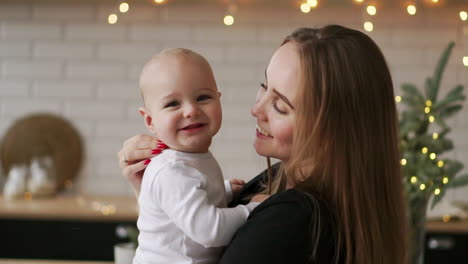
column 281, row 229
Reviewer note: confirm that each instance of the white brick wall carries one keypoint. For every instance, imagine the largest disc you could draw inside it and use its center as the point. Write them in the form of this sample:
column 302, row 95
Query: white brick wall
column 62, row 57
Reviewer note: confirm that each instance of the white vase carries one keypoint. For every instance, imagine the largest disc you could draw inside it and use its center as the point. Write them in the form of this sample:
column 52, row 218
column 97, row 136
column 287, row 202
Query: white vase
column 124, row 253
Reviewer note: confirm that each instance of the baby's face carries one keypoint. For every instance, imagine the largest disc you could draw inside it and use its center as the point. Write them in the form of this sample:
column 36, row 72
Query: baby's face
column 183, row 104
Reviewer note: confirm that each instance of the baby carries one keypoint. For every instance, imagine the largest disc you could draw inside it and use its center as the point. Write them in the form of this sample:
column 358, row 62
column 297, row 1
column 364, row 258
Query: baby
column 183, row 215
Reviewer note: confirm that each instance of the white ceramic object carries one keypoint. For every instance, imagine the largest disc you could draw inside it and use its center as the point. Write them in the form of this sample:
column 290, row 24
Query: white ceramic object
column 41, row 182
column 15, row 185
column 124, row 253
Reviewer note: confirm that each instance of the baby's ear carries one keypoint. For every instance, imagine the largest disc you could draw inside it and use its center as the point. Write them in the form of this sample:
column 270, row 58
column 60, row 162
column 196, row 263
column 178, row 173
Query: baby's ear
column 146, row 118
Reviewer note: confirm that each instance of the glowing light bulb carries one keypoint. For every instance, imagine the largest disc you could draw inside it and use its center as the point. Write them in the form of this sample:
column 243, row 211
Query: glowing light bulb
column 428, row 103
column 411, row 10
column 359, row 1
column 159, row 1
column 368, row 26
column 465, row 61
column 433, row 156
column 112, row 19
column 437, row 191
column 422, row 187
column 463, row 15
column 228, row 20
column 403, row 162
column 414, row 179
column 371, row 10
column 424, row 150
column 427, row 110
column 312, row 3
column 431, row 119
column 440, row 163
column 305, row 8
column 124, row 7
column 435, row 1
column 445, row 180
column 435, row 136
column 397, row 98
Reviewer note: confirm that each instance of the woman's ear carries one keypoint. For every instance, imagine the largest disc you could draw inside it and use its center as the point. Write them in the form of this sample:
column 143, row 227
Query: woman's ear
column 147, row 119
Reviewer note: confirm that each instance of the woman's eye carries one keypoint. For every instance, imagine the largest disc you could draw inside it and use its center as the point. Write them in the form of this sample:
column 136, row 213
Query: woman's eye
column 277, row 109
column 171, row 104
column 203, row 97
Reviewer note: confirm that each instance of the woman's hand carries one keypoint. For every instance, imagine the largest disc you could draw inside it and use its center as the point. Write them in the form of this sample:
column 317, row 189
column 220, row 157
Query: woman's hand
column 135, row 156
column 259, row 198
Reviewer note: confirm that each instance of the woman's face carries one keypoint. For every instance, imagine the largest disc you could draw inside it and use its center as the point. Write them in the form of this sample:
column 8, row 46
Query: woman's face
column 274, row 106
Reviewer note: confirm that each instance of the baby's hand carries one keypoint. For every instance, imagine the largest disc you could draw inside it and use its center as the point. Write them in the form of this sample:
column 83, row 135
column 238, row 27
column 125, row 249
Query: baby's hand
column 236, row 186
column 259, row 198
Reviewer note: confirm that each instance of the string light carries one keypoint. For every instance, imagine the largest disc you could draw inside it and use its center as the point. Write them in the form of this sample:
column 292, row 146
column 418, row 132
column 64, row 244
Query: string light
column 422, row 187
column 440, row 163
column 371, row 10
column 465, row 61
column 427, row 110
column 411, row 10
column 397, row 98
column 403, row 162
column 414, row 180
column 305, row 8
column 368, row 26
column 112, row 19
column 124, row 7
column 463, row 15
column 312, row 3
column 431, row 119
column 433, row 156
column 424, row 150
column 435, row 136
column 159, row 2
column 437, row 191
column 228, row 20
column 428, row 103
column 445, row 180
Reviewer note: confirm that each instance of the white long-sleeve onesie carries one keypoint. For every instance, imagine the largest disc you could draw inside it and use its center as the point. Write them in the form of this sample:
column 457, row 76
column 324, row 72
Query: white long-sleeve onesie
column 183, row 215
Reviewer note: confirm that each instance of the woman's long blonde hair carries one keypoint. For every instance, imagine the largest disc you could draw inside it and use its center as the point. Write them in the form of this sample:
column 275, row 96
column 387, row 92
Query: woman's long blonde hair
column 345, row 146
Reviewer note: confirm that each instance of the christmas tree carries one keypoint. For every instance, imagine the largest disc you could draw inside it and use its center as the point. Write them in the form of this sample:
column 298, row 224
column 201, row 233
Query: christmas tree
column 424, row 139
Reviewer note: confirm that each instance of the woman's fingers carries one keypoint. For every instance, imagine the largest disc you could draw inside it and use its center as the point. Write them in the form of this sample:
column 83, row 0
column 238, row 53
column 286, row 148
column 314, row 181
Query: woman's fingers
column 141, row 141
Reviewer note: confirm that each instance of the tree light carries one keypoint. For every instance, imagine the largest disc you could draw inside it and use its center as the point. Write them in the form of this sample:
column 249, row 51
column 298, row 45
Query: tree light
column 463, row 15
column 440, row 163
column 368, row 26
column 428, row 103
column 397, row 98
column 411, row 9
column 159, row 1
column 433, row 156
column 305, row 8
column 414, row 179
column 427, row 110
column 465, row 61
column 403, row 162
column 431, row 119
column 123, row 8
column 228, row 20
column 112, row 19
column 435, row 136
column 445, row 180
column 312, row 3
column 424, row 150
column 437, row 191
column 371, row 10
column 422, row 187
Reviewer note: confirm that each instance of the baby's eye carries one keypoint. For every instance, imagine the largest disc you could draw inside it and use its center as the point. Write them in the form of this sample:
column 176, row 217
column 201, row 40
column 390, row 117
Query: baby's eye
column 171, row 104
column 203, row 97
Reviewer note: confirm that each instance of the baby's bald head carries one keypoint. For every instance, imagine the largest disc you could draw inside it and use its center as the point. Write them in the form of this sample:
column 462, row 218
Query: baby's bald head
column 170, row 66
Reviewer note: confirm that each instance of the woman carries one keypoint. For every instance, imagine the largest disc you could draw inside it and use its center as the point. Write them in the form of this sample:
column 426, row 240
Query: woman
column 327, row 111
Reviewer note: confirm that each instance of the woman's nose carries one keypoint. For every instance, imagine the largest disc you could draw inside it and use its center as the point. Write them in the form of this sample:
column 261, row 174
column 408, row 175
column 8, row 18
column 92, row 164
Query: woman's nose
column 258, row 110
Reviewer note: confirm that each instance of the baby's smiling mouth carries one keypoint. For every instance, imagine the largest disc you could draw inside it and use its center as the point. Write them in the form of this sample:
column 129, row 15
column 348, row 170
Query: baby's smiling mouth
column 193, row 126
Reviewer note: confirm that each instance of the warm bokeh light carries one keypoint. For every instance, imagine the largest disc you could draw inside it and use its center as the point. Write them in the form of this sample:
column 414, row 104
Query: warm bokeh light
column 368, row 26
column 403, row 162
column 465, row 61
column 437, row 191
column 463, row 15
column 359, row 1
column 414, row 179
column 228, row 20
column 371, row 10
column 112, row 19
column 159, row 1
column 411, row 9
column 123, row 8
column 312, row 3
column 428, row 103
column 435, row 1
column 424, row 150
column 305, row 8
column 431, row 119
column 433, row 156
column 445, row 180
column 427, row 110
column 422, row 187
column 397, row 98
column 440, row 163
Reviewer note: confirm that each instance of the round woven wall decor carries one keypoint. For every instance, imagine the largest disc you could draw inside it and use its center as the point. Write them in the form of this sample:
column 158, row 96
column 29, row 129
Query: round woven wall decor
column 40, row 135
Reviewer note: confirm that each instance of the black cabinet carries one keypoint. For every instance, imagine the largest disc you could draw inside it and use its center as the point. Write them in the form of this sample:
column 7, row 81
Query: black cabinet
column 444, row 248
column 70, row 240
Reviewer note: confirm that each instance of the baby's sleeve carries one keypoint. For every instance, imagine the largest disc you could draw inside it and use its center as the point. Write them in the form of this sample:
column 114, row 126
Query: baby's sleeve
column 179, row 190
